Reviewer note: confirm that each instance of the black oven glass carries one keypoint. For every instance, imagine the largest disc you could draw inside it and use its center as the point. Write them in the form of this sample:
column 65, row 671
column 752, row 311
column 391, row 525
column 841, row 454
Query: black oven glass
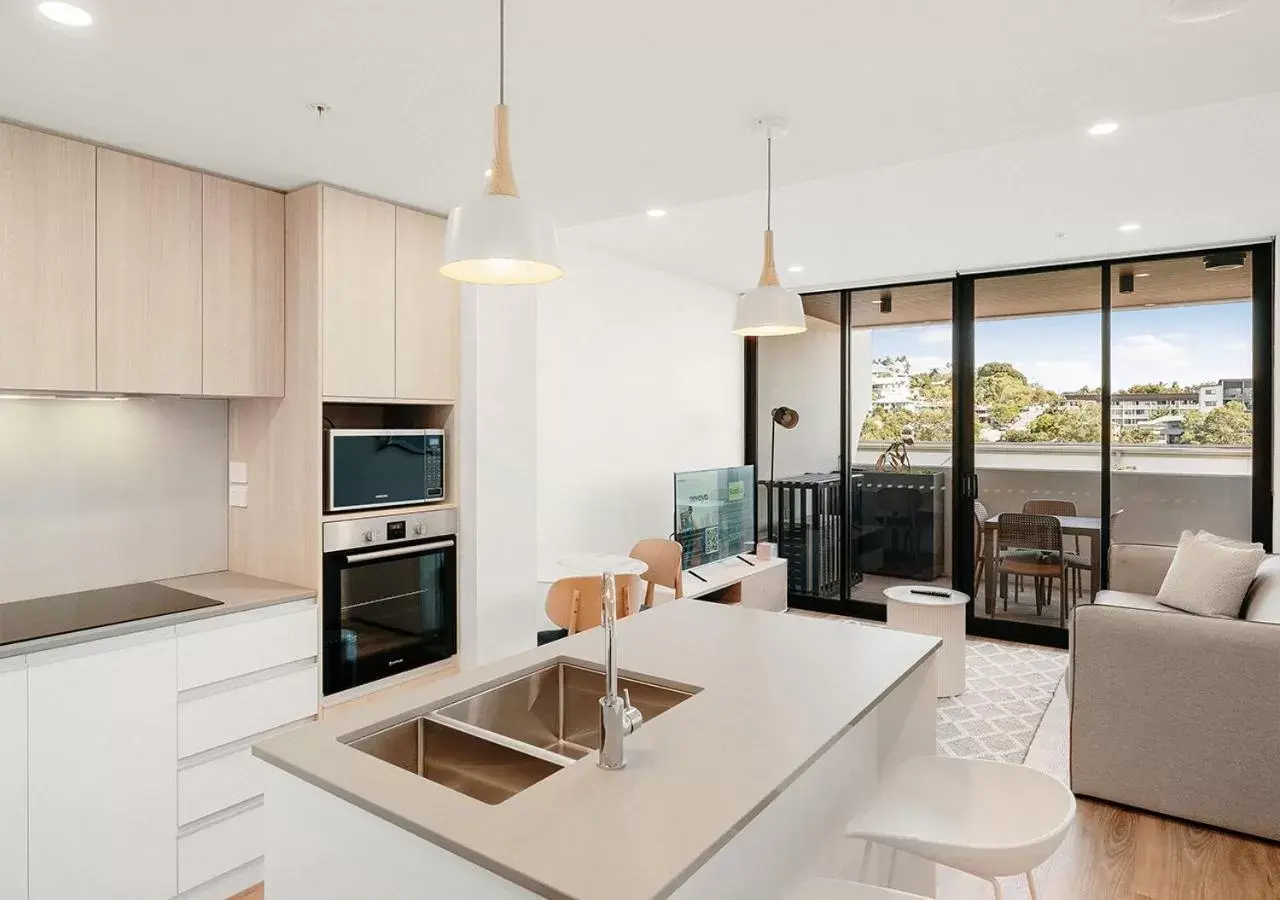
column 386, row 614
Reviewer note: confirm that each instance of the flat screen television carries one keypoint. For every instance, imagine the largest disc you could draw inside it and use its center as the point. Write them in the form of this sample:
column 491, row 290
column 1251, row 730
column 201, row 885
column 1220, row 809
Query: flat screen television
column 715, row 514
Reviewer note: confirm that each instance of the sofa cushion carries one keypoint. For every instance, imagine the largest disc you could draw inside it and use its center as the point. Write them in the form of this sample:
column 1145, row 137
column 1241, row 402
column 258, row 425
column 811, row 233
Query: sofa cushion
column 1132, row 601
column 1263, row 602
column 1210, row 577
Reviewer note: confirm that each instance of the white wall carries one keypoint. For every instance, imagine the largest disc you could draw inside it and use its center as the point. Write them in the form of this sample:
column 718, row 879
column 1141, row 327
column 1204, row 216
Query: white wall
column 95, row 493
column 639, row 376
column 803, row 371
column 497, row 565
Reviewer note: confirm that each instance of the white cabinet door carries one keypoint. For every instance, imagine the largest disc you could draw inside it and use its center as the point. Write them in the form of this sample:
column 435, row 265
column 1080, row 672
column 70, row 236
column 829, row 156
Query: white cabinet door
column 103, row 723
column 13, row 779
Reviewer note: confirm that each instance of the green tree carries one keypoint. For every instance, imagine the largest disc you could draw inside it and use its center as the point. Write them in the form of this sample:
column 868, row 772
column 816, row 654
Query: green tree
column 927, row 424
column 1070, row 425
column 1154, row 387
column 1005, row 393
column 1134, row 435
column 1230, row 425
column 1162, row 411
column 1017, row 436
column 992, row 369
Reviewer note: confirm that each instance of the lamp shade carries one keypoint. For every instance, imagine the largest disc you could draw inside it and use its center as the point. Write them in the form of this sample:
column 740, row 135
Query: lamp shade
column 500, row 239
column 769, row 310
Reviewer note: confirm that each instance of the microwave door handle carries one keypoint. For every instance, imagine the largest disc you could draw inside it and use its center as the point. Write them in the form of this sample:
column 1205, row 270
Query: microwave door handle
column 398, row 551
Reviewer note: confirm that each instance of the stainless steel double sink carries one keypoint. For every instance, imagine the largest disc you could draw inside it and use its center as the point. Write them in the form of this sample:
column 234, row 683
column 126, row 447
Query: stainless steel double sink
column 495, row 742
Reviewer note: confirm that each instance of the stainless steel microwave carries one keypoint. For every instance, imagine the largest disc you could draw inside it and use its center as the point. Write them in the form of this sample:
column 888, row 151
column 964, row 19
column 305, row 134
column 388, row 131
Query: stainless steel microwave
column 370, row 468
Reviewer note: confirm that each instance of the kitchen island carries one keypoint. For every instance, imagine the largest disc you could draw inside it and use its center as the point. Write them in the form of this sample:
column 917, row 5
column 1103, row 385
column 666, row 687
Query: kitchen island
column 764, row 731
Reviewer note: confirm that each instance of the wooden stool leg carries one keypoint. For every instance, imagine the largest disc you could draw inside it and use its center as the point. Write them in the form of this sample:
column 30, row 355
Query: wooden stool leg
column 1031, row 885
column 999, row 893
column 893, row 864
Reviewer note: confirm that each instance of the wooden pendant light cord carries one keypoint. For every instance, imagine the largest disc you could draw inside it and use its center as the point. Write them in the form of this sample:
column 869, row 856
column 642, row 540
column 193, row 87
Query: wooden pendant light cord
column 503, row 180
column 768, row 274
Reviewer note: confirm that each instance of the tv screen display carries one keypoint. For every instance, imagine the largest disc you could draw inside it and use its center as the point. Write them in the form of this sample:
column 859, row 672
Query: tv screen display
column 715, row 514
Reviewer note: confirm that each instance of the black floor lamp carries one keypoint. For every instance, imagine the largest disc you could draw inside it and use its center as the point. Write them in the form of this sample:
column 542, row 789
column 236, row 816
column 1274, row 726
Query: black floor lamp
column 788, row 418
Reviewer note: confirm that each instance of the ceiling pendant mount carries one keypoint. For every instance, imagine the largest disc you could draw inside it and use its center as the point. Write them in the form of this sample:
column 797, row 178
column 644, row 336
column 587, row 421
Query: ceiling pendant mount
column 769, row 310
column 499, row 238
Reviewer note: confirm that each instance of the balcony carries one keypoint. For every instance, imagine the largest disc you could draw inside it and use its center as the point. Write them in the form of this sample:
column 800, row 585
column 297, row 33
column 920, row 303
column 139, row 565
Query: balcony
column 1161, row 489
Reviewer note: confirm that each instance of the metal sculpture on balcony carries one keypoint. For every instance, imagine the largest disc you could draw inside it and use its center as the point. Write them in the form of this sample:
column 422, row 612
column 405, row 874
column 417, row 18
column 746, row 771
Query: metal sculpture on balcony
column 895, row 459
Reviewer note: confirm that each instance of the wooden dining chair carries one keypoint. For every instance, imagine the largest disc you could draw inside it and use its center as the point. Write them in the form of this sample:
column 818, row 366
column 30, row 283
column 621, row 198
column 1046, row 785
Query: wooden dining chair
column 663, row 559
column 980, row 516
column 1078, row 563
column 1031, row 545
column 1044, row 506
column 574, row 603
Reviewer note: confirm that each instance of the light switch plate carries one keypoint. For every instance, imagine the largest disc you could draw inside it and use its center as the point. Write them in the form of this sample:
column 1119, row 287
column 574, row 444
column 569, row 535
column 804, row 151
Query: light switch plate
column 238, row 473
column 239, row 495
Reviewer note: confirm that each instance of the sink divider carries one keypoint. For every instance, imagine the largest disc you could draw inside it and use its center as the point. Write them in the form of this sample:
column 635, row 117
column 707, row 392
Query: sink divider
column 501, row 739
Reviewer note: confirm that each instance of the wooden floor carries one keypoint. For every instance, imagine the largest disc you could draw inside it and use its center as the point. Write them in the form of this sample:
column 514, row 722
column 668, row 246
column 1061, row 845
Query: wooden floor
column 1111, row 853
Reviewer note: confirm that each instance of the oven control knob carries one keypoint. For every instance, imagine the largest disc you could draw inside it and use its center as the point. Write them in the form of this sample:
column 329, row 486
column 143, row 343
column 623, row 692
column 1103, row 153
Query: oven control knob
column 419, row 529
column 368, row 537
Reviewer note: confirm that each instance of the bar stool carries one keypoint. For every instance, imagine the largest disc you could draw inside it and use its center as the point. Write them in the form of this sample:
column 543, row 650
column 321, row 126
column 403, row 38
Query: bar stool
column 989, row 819
column 831, row 889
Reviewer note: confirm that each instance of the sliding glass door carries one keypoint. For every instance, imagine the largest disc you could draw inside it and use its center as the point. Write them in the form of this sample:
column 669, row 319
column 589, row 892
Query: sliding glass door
column 996, row 432
column 1034, row 400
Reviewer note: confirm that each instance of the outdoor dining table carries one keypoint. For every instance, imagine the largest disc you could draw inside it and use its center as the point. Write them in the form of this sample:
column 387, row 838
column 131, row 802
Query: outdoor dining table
column 1085, row 526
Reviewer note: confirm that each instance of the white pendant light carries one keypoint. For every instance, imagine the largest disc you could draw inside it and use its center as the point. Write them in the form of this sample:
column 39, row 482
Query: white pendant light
column 499, row 238
column 769, row 309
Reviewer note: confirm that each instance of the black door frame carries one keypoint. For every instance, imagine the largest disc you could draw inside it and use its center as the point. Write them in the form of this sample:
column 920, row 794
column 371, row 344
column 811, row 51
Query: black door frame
column 964, row 479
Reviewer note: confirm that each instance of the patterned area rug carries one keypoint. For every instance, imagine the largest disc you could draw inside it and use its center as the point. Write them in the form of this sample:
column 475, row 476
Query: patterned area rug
column 1008, row 690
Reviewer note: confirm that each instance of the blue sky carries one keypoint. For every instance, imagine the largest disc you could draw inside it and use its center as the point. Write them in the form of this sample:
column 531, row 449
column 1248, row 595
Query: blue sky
column 1188, row 344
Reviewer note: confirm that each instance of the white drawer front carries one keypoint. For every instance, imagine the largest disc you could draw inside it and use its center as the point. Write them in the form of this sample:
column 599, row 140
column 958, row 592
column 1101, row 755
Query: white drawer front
column 246, row 642
column 213, row 786
column 228, row 716
column 221, row 847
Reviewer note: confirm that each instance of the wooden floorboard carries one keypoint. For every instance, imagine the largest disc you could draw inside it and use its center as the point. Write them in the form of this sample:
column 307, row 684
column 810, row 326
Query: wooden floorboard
column 1110, row 853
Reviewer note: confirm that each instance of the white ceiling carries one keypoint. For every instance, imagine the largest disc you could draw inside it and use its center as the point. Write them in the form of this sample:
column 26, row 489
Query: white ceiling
column 616, row 106
column 1196, row 177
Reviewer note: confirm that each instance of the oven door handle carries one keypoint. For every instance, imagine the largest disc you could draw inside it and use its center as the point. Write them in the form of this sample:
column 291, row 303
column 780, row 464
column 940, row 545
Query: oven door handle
column 398, row 551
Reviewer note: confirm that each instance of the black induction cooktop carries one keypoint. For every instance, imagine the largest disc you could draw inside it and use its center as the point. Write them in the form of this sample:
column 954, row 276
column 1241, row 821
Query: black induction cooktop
column 26, row 620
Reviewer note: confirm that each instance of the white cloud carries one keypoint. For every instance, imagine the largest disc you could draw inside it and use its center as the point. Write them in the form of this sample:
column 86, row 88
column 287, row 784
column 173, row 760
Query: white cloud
column 918, row 364
column 938, row 334
column 1150, row 348
column 1065, row 374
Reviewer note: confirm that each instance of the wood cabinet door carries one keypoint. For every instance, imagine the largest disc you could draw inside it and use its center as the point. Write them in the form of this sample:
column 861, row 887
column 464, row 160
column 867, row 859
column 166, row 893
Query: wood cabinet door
column 13, row 778
column 149, row 281
column 359, row 304
column 427, row 307
column 47, row 261
column 102, row 761
column 243, row 297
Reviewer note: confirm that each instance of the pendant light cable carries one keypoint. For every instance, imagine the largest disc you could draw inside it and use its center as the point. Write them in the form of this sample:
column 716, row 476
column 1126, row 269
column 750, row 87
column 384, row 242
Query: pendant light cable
column 502, row 52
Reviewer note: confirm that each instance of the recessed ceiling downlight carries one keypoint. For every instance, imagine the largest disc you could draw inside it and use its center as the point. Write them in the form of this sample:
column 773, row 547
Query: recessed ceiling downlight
column 1101, row 129
column 65, row 14
column 1189, row 12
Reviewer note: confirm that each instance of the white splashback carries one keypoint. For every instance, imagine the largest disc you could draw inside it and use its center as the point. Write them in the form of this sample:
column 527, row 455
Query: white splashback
column 99, row 492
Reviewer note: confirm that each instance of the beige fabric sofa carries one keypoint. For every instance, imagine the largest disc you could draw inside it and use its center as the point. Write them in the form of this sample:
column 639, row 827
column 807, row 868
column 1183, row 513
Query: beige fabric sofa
column 1175, row 713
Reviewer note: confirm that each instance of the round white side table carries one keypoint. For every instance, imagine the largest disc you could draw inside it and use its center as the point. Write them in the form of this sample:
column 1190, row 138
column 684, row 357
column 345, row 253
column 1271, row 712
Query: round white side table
column 939, row 616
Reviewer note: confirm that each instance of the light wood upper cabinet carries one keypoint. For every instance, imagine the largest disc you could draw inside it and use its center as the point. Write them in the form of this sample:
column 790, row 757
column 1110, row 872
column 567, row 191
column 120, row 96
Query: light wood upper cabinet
column 47, row 262
column 427, row 308
column 243, row 302
column 149, row 276
column 359, row 278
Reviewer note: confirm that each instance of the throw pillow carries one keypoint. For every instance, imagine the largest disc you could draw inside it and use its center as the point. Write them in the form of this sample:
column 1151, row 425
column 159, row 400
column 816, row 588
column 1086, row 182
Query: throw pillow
column 1226, row 541
column 1209, row 578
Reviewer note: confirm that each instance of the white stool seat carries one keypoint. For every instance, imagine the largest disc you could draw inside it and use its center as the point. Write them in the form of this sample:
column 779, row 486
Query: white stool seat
column 831, row 889
column 986, row 818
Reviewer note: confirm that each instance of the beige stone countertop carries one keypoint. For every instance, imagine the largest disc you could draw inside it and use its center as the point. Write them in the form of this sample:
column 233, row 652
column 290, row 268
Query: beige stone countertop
column 777, row 690
column 235, row 593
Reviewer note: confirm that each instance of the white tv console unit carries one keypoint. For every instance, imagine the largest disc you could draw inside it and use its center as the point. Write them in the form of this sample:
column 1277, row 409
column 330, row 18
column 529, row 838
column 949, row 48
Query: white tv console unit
column 732, row 581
